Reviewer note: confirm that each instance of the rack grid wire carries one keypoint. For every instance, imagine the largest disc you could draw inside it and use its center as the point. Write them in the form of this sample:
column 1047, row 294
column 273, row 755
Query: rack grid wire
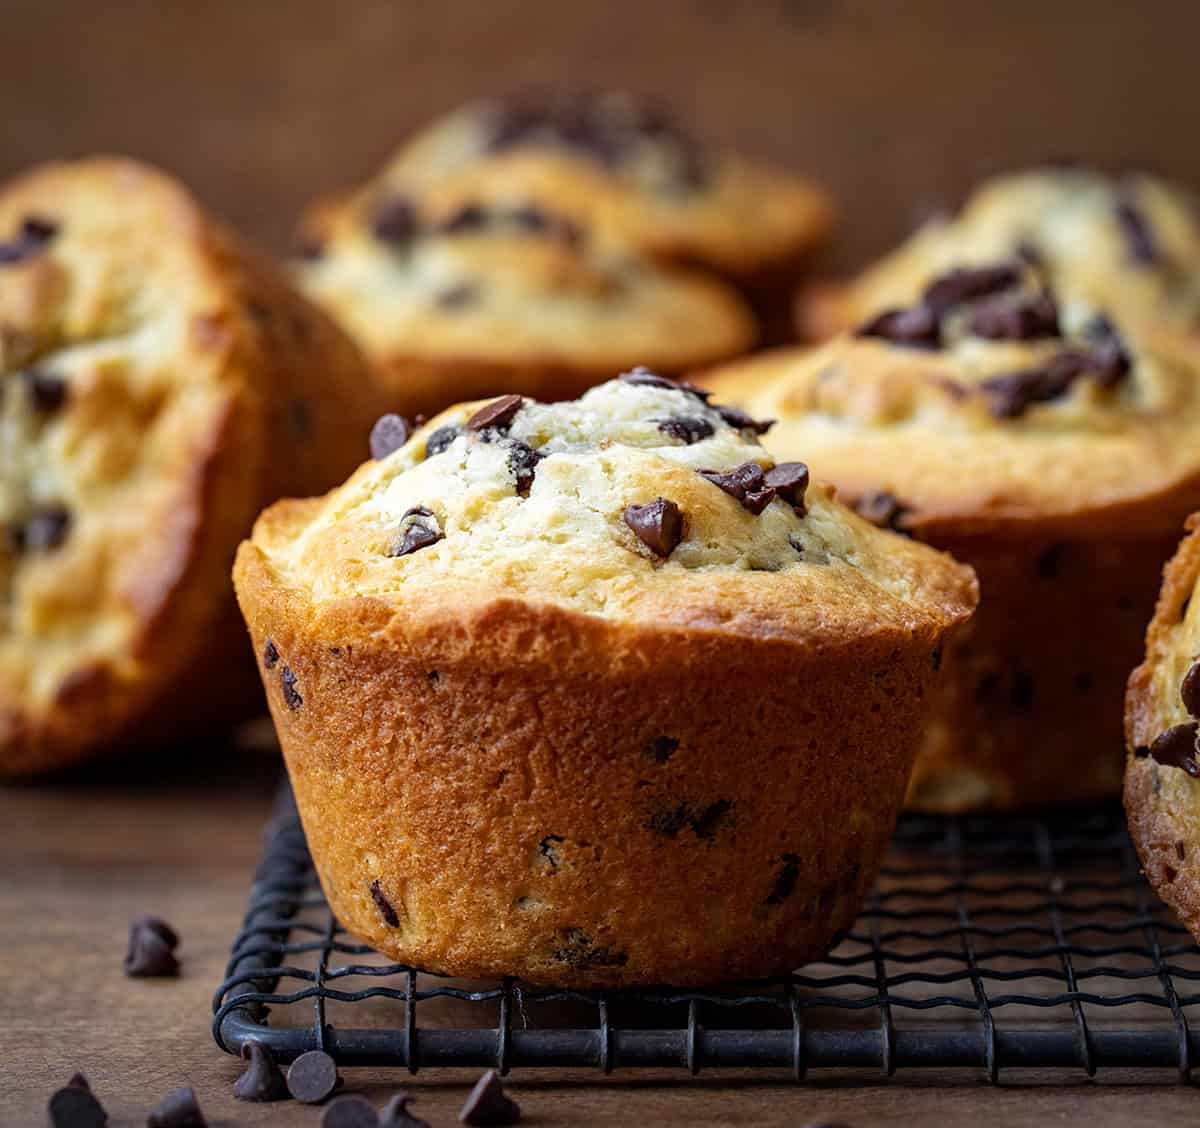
column 989, row 941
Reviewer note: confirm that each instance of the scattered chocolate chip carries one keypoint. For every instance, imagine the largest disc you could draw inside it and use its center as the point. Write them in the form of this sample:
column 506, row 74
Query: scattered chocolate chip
column 661, row 749
column 1027, row 319
column 384, row 906
column 522, row 461
column 287, row 682
column 686, row 428
column 262, row 1080
column 390, row 433
column 747, row 484
column 882, row 509
column 458, row 296
column 498, row 414
column 396, row 1115
column 151, row 951
column 744, row 422
column 439, row 440
column 642, row 377
column 313, row 1076
column 350, row 1111
column 395, row 221
column 965, row 284
column 579, row 951
column 177, row 1110
column 47, row 392
column 658, row 525
column 1189, row 690
column 469, row 217
column 1177, row 748
column 76, row 1106
column 487, row 1104
column 790, row 481
column 416, row 536
column 915, row 328
column 42, row 531
column 1139, row 236
column 785, row 879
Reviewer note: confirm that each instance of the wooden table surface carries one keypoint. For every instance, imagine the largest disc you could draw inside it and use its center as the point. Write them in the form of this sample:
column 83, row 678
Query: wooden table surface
column 80, row 857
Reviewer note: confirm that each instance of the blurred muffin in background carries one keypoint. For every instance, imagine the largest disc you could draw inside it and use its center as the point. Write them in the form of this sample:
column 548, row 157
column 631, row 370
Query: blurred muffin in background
column 647, row 175
column 159, row 384
column 1129, row 245
column 482, row 284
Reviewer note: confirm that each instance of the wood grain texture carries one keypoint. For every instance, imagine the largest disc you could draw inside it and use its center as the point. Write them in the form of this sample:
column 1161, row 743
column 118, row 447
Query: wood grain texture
column 897, row 106
column 79, row 858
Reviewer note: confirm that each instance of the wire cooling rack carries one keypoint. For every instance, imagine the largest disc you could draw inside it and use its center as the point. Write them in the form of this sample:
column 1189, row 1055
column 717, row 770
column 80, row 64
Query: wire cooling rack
column 989, row 942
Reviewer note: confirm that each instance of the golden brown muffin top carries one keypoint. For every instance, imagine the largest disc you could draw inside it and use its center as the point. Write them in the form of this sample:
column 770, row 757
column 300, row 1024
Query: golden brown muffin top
column 645, row 172
column 641, row 501
column 1128, row 246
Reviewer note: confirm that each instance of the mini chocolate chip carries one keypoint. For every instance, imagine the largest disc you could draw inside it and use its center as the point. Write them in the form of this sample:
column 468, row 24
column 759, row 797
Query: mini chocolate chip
column 439, row 440
column 270, row 654
column 498, row 414
column 522, row 461
column 76, row 1106
column 1025, row 320
column 661, row 749
column 151, row 951
column 312, row 1077
column 742, row 421
column 746, row 484
column 415, row 537
column 1189, row 690
column 686, row 428
column 384, row 905
column 914, row 328
column 642, row 377
column 47, row 392
column 1177, row 748
column 178, row 1109
column 396, row 1115
column 350, row 1111
column 487, row 1104
column 658, row 525
column 458, row 296
column 287, row 682
column 882, row 509
column 262, row 1080
column 395, row 221
column 1139, row 236
column 469, row 217
column 42, row 531
column 390, row 433
column 965, row 284
column 785, row 879
column 790, row 481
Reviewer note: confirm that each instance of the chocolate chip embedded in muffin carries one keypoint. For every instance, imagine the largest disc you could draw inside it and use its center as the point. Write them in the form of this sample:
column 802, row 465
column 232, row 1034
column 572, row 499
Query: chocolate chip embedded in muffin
column 42, row 531
column 469, row 217
column 747, row 484
column 1027, row 319
column 790, row 481
column 785, row 879
column 661, row 749
column 35, row 233
column 658, row 525
column 884, row 510
column 579, row 951
column 386, row 910
column 1189, row 689
column 742, row 421
column 1139, row 236
column 439, row 440
column 1177, row 748
column 497, row 415
column 270, row 654
column 47, row 392
column 643, row 377
column 418, row 530
column 287, row 682
column 1011, row 394
column 686, row 429
column 965, row 284
column 395, row 221
column 522, row 461
column 390, row 433
column 459, row 296
column 917, row 327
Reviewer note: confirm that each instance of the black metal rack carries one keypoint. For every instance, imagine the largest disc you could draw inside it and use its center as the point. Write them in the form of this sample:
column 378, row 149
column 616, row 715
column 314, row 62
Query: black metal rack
column 989, row 942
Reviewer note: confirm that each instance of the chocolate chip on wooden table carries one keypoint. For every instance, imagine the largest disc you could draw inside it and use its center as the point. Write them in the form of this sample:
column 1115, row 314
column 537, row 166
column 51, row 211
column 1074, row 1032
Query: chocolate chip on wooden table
column 746, row 483
column 178, row 1109
column 488, row 1104
column 312, row 1077
column 76, row 1106
column 350, row 1111
column 790, row 481
column 1189, row 689
column 965, row 284
column 390, row 433
column 262, row 1080
column 658, row 525
column 1139, row 235
column 440, row 439
column 917, row 327
column 742, row 421
column 287, row 683
column 396, row 1115
column 498, row 414
column 1027, row 319
column 395, row 221
column 522, row 461
column 270, row 654
column 686, row 428
column 151, row 951
column 642, row 377
column 1177, row 748
column 47, row 392
column 384, row 906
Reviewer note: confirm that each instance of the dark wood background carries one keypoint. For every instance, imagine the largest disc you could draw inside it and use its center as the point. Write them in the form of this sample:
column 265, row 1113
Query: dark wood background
column 897, row 104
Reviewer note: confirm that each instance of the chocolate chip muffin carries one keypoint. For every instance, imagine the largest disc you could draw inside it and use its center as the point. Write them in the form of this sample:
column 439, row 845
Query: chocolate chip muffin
column 1129, row 245
column 1162, row 728
column 1052, row 448
column 159, row 384
column 596, row 692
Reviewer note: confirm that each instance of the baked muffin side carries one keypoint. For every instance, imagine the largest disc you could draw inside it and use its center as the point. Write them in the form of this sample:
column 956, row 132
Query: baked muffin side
column 158, row 384
column 557, row 704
